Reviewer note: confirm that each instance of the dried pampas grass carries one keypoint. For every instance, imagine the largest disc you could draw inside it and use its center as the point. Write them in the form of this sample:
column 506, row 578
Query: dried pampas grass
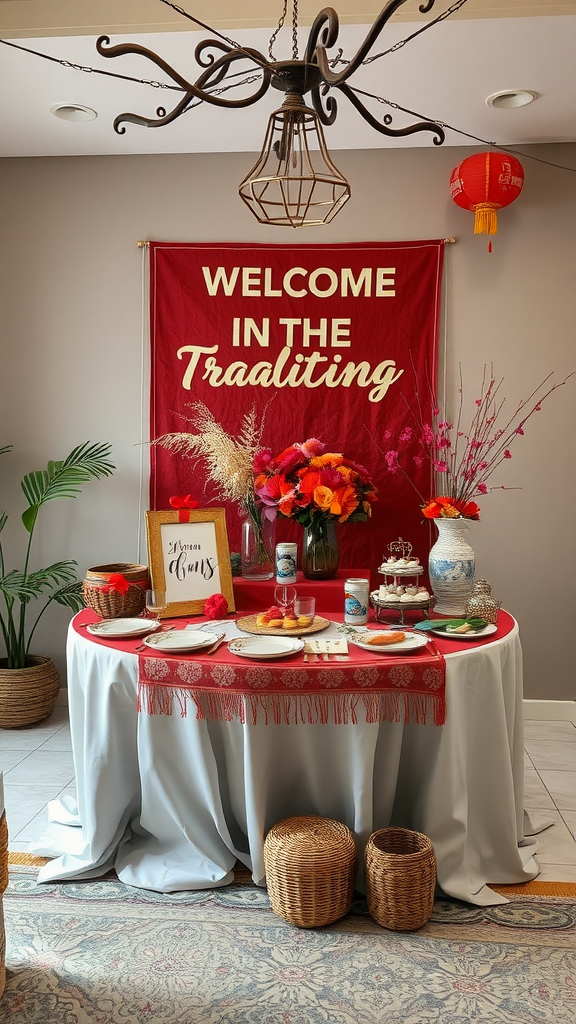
column 228, row 458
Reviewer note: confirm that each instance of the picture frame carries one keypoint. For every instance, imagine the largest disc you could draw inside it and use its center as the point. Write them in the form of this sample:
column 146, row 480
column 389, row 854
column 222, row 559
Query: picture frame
column 189, row 560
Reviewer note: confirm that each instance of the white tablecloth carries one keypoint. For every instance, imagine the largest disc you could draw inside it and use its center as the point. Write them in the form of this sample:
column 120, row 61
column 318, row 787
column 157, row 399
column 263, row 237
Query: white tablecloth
column 171, row 803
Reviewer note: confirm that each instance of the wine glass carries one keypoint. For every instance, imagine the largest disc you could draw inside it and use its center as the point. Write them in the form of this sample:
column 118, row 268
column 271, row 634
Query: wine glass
column 155, row 603
column 285, row 597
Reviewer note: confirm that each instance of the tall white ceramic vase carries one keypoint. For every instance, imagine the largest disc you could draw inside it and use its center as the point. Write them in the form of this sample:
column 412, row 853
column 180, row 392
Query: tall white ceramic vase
column 451, row 567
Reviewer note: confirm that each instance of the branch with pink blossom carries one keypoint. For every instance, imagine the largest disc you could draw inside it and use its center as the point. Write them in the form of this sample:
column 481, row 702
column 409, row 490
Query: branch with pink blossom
column 463, row 461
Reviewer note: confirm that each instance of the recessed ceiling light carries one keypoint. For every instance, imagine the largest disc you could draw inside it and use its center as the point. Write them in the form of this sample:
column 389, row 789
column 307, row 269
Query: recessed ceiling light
column 73, row 112
column 508, row 99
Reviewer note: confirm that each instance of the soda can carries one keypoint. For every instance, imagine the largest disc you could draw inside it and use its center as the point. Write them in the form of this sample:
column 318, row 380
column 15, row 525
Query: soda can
column 286, row 562
column 356, row 601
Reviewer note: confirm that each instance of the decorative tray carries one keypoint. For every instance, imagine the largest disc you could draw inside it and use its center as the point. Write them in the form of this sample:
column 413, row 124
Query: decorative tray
column 248, row 625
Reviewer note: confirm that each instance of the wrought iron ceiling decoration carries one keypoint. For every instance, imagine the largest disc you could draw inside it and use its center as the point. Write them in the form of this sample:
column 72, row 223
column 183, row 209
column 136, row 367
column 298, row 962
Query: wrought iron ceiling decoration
column 294, row 182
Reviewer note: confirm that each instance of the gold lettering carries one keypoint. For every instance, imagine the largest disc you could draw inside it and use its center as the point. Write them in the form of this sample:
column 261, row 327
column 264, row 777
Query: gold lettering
column 290, row 325
column 269, row 291
column 295, row 271
column 319, row 332
column 382, row 280
column 213, row 283
column 251, row 281
column 348, row 281
column 323, row 272
column 195, row 352
column 340, row 337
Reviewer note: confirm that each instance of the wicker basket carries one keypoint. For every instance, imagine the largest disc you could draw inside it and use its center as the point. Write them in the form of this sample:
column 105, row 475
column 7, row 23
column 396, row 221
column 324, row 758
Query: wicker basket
column 400, row 869
column 310, row 869
column 28, row 695
column 109, row 603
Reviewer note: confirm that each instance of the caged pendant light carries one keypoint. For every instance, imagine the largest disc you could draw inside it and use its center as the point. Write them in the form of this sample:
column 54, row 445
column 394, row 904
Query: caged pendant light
column 294, row 182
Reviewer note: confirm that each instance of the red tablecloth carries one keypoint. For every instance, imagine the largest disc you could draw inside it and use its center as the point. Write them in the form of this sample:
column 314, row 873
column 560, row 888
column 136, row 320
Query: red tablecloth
column 224, row 687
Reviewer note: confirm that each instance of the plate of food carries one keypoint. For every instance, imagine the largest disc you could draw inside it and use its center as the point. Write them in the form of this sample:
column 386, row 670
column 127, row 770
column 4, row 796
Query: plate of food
column 461, row 630
column 181, row 641
column 274, row 623
column 122, row 629
column 392, row 641
column 265, row 647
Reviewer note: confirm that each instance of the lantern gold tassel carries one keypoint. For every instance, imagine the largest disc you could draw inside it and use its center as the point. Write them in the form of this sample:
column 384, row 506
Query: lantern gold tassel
column 486, row 219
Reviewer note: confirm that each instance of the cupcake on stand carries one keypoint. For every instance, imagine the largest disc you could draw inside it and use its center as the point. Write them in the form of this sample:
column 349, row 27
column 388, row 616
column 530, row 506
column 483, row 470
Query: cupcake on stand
column 401, row 590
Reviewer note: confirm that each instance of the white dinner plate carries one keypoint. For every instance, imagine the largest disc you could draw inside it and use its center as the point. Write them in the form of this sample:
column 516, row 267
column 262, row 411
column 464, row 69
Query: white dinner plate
column 181, row 640
column 265, row 647
column 118, row 628
column 412, row 642
column 478, row 635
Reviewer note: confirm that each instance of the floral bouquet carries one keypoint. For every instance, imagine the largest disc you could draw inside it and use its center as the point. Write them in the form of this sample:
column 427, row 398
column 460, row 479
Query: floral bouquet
column 463, row 460
column 315, row 487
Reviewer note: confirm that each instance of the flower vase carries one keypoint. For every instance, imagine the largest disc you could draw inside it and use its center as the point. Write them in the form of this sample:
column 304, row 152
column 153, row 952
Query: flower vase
column 451, row 567
column 320, row 555
column 257, row 548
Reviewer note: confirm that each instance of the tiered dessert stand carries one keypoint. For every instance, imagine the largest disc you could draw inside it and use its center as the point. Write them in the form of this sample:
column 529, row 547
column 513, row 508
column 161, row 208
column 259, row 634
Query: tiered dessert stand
column 401, row 591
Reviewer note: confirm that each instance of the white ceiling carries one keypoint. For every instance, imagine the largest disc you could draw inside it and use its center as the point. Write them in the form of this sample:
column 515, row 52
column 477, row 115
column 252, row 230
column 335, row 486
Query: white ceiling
column 444, row 74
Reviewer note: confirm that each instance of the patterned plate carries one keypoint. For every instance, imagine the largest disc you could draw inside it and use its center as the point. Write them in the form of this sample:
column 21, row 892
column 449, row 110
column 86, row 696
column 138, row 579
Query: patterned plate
column 266, row 648
column 412, row 642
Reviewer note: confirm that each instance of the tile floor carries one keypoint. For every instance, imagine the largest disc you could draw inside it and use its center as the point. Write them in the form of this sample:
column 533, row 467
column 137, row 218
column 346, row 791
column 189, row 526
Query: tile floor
column 37, row 766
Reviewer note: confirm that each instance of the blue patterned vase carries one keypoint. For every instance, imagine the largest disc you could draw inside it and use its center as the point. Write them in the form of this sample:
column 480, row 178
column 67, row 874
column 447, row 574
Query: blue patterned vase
column 451, row 567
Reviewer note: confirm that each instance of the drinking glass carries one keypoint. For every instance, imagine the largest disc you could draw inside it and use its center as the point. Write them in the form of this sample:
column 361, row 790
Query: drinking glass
column 305, row 606
column 155, row 603
column 285, row 597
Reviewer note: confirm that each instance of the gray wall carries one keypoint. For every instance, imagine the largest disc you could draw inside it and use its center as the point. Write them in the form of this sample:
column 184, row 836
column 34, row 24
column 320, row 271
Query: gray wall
column 71, row 300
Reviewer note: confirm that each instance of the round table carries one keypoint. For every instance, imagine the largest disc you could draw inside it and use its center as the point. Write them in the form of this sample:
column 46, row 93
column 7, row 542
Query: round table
column 171, row 803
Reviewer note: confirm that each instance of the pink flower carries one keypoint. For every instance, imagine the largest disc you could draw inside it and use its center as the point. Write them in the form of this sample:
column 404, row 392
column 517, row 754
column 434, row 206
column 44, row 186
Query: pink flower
column 440, row 467
column 392, row 460
column 262, row 460
column 311, row 448
column 537, row 407
column 507, row 454
column 519, row 430
column 482, row 488
column 406, row 434
column 427, row 433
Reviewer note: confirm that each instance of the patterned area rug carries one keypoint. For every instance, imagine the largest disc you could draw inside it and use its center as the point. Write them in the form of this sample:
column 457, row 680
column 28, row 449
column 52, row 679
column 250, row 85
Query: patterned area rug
column 100, row 952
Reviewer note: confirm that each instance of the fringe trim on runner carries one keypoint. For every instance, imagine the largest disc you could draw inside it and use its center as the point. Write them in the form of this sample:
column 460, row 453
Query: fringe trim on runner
column 292, row 708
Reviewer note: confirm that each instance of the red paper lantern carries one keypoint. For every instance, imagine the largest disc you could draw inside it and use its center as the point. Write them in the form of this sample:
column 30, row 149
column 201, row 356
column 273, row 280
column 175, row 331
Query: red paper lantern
column 485, row 183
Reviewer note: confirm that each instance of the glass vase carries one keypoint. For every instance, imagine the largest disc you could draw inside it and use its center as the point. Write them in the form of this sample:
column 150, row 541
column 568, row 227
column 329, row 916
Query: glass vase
column 320, row 555
column 451, row 567
column 257, row 548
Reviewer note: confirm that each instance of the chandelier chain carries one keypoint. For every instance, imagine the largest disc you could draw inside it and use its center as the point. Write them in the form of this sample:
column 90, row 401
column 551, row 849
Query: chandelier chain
column 294, row 29
column 279, row 26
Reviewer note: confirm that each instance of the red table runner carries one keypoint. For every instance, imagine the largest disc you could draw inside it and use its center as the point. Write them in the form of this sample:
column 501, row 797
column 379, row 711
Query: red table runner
column 223, row 687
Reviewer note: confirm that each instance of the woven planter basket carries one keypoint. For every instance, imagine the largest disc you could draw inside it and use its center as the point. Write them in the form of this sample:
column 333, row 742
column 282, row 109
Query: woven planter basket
column 400, row 869
column 109, row 603
column 310, row 869
column 27, row 695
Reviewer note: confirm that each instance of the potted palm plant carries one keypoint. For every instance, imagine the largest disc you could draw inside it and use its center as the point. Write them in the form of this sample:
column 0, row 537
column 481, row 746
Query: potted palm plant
column 29, row 683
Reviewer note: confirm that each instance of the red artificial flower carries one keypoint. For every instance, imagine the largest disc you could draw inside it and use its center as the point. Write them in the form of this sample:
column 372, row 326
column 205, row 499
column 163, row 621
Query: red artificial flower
column 215, row 606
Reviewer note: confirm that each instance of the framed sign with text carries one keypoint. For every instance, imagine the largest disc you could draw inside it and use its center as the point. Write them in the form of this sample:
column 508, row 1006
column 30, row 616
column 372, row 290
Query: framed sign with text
column 189, row 560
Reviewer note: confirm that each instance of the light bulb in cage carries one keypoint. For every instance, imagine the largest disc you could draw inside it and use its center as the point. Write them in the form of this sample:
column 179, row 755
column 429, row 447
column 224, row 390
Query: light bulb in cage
column 294, row 182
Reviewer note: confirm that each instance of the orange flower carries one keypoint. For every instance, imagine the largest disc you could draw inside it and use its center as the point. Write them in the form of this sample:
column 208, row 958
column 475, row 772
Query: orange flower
column 348, row 502
column 324, row 498
column 328, row 459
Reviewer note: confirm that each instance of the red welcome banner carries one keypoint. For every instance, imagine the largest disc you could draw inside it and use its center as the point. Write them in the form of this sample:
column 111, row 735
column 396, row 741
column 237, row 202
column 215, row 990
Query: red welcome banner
column 336, row 342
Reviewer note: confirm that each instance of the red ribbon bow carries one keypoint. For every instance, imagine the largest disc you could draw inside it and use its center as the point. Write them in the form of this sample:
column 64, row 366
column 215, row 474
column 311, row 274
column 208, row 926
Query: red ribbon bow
column 117, row 582
column 183, row 503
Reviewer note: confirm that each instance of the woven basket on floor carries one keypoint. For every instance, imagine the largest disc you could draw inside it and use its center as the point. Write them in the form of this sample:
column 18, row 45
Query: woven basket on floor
column 28, row 695
column 310, row 869
column 400, row 870
column 110, row 604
